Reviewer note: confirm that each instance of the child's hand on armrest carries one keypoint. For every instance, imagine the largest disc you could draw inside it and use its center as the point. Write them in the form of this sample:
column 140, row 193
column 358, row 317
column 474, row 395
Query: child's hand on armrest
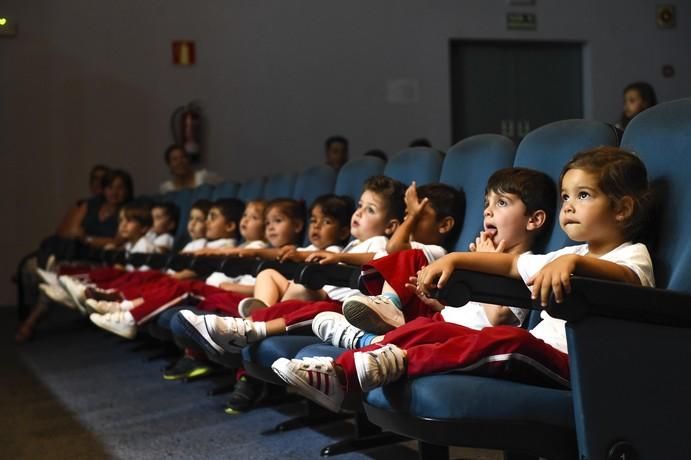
column 324, row 257
column 291, row 254
column 413, row 286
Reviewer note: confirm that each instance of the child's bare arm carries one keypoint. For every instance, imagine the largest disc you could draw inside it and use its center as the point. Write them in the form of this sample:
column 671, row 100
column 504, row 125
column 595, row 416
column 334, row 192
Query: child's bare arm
column 400, row 240
column 245, row 289
column 556, row 276
column 437, row 273
column 326, row 257
column 184, row 274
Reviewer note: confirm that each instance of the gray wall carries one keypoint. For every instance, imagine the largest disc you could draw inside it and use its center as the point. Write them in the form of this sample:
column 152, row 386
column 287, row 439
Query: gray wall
column 87, row 82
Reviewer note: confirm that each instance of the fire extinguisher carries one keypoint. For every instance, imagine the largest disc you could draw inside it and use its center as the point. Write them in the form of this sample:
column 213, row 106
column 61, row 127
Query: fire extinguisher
column 186, row 124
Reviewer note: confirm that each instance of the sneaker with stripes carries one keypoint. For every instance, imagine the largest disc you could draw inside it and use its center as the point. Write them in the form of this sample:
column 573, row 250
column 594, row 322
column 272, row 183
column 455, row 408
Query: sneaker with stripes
column 314, row 378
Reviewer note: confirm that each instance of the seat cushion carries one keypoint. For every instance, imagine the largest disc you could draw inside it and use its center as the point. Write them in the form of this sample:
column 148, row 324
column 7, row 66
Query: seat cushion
column 320, row 349
column 453, row 396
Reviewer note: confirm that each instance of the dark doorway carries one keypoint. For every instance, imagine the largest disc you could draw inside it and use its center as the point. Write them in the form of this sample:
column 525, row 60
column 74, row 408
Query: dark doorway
column 511, row 88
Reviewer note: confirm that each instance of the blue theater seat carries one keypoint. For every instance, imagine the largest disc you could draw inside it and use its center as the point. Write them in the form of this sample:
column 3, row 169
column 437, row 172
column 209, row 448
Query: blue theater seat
column 279, row 186
column 225, row 190
column 420, row 164
column 314, row 182
column 353, row 174
column 253, row 189
column 625, row 342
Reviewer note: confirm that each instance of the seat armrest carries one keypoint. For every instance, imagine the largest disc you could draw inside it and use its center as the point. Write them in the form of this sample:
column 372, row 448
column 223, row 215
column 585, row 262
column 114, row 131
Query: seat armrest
column 139, row 258
column 287, row 269
column 316, row 276
column 180, row 262
column 623, row 301
column 236, row 266
column 466, row 285
column 159, row 261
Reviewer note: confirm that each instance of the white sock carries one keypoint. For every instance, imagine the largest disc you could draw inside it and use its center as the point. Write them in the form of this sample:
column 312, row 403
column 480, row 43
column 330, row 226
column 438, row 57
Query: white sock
column 259, row 329
column 126, row 305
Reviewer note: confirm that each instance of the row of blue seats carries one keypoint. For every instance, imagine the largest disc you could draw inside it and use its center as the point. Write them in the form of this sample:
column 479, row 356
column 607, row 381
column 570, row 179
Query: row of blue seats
column 601, row 417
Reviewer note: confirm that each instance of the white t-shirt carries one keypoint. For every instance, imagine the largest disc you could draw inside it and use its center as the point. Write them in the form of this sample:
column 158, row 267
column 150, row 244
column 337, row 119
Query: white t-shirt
column 222, row 243
column 376, row 244
column 633, row 256
column 312, row 248
column 201, row 176
column 216, row 278
column 432, row 251
column 473, row 315
column 195, row 245
column 143, row 244
column 164, row 240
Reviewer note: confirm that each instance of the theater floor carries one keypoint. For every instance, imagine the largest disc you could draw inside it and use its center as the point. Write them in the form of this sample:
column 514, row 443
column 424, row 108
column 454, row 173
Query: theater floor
column 76, row 392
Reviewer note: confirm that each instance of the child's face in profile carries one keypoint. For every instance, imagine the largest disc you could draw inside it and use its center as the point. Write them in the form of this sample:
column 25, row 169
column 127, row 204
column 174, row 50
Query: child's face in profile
column 370, row 217
column 252, row 222
column 280, row 229
column 161, row 221
column 129, row 229
column 427, row 228
column 505, row 219
column 587, row 214
column 324, row 230
column 633, row 103
column 217, row 226
column 196, row 225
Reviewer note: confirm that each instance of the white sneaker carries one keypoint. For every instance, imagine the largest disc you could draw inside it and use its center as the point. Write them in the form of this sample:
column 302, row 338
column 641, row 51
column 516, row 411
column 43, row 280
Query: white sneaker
column 379, row 367
column 250, row 304
column 333, row 328
column 52, row 264
column 57, row 294
column 121, row 323
column 314, row 378
column 217, row 334
column 376, row 314
column 75, row 289
column 47, row 277
column 104, row 306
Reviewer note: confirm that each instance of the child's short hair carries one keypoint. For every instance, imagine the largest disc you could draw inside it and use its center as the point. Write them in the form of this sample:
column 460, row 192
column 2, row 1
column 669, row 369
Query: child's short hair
column 391, row 191
column 202, row 205
column 446, row 202
column 336, row 140
column 230, row 208
column 620, row 173
column 536, row 190
column 339, row 207
column 138, row 211
column 171, row 211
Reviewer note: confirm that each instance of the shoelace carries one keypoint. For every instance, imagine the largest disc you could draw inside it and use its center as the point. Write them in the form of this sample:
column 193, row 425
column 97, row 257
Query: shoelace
column 387, row 359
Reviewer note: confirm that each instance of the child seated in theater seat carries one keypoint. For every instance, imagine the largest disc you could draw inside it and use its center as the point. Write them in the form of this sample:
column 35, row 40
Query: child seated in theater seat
column 377, row 216
column 165, row 217
column 518, row 202
column 134, row 221
column 145, row 302
column 605, row 200
column 329, row 217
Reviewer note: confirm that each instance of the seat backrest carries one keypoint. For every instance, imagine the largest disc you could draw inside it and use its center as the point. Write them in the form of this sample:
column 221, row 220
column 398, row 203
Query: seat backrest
column 467, row 166
column 225, row 190
column 279, row 186
column 661, row 136
column 550, row 147
column 184, row 200
column 314, row 182
column 353, row 174
column 253, row 189
column 419, row 164
column 203, row 192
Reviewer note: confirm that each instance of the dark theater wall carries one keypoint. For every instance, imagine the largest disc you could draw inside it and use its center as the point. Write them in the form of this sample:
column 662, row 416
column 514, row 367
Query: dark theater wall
column 86, row 82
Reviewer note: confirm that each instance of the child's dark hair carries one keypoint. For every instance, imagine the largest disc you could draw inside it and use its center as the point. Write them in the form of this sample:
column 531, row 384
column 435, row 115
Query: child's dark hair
column 392, row 191
column 171, row 211
column 110, row 176
column 293, row 209
column 230, row 208
column 202, row 205
column 647, row 93
column 170, row 149
column 536, row 190
column 620, row 173
column 446, row 202
column 336, row 140
column 138, row 211
column 339, row 207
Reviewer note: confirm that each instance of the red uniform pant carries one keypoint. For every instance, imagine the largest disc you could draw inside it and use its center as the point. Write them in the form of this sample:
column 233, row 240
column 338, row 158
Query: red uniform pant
column 396, row 269
column 296, row 313
column 434, row 346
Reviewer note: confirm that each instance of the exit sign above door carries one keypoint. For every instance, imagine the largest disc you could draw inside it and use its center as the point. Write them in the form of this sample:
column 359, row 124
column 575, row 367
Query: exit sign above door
column 521, row 21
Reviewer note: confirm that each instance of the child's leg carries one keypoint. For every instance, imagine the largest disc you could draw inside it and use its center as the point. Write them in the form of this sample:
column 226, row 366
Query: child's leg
column 297, row 291
column 270, row 286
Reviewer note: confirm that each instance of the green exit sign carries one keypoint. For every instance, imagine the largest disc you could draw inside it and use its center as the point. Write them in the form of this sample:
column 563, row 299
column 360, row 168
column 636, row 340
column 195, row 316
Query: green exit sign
column 521, row 21
column 8, row 28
